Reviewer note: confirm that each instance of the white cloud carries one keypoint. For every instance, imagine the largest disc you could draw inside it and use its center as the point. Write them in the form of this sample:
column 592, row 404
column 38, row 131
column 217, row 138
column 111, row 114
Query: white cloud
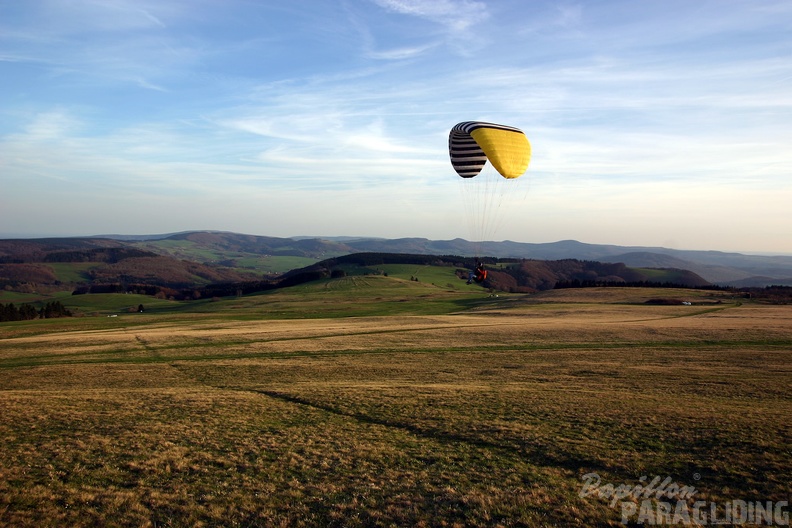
column 49, row 125
column 399, row 53
column 456, row 15
column 343, row 111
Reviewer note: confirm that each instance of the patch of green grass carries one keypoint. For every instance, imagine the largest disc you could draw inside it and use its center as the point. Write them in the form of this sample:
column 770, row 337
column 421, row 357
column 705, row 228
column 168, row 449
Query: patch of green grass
column 330, row 298
column 440, row 276
column 115, row 303
column 653, row 273
column 72, row 272
column 664, row 275
column 18, row 298
column 355, row 296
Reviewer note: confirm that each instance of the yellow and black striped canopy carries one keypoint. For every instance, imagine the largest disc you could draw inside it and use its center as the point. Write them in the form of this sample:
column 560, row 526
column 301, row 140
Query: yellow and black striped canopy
column 472, row 143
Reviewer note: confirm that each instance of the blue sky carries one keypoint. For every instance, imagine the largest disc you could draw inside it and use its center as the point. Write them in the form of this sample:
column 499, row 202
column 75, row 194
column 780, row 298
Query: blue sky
column 653, row 123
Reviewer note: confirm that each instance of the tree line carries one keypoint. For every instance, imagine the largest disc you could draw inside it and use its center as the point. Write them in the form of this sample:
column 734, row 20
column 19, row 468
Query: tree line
column 597, row 283
column 24, row 312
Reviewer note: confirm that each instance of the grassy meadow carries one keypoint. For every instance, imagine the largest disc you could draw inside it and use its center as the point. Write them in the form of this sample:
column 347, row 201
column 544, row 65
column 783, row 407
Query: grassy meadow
column 384, row 401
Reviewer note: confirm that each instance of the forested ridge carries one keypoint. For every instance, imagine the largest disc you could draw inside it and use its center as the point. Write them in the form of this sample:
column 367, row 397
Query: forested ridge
column 26, row 311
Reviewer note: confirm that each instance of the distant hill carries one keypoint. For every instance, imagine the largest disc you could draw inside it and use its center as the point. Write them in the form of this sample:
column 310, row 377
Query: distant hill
column 196, row 259
column 231, row 248
column 56, row 264
column 33, row 250
column 511, row 275
column 259, row 253
column 717, row 267
column 262, row 245
column 728, row 269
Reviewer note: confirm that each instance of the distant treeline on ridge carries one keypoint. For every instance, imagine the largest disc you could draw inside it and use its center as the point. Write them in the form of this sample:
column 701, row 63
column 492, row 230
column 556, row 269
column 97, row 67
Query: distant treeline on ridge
column 24, row 312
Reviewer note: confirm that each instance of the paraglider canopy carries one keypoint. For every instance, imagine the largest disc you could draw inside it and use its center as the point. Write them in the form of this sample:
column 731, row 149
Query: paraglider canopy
column 472, row 143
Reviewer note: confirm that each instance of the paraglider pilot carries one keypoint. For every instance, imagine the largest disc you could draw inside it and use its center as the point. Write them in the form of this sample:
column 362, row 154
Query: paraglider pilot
column 478, row 275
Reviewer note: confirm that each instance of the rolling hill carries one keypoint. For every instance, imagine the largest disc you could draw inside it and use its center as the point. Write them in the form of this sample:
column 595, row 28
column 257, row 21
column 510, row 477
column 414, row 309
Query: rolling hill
column 277, row 255
column 717, row 267
column 510, row 275
column 47, row 265
column 195, row 260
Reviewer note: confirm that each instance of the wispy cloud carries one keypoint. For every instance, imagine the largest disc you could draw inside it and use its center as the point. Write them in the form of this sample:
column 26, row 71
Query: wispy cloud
column 400, row 53
column 247, row 109
column 455, row 15
column 48, row 126
column 104, row 42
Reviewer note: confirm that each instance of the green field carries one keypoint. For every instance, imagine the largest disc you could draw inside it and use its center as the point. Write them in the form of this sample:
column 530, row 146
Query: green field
column 189, row 250
column 384, row 401
column 72, row 272
column 273, row 264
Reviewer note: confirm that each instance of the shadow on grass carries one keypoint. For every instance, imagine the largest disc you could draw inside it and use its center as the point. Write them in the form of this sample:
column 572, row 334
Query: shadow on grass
column 530, row 453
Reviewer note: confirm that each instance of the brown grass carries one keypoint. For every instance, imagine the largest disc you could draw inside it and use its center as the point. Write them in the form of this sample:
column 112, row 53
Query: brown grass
column 478, row 419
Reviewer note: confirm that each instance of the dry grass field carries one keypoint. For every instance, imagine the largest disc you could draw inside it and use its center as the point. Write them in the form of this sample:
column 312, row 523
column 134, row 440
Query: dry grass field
column 487, row 417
